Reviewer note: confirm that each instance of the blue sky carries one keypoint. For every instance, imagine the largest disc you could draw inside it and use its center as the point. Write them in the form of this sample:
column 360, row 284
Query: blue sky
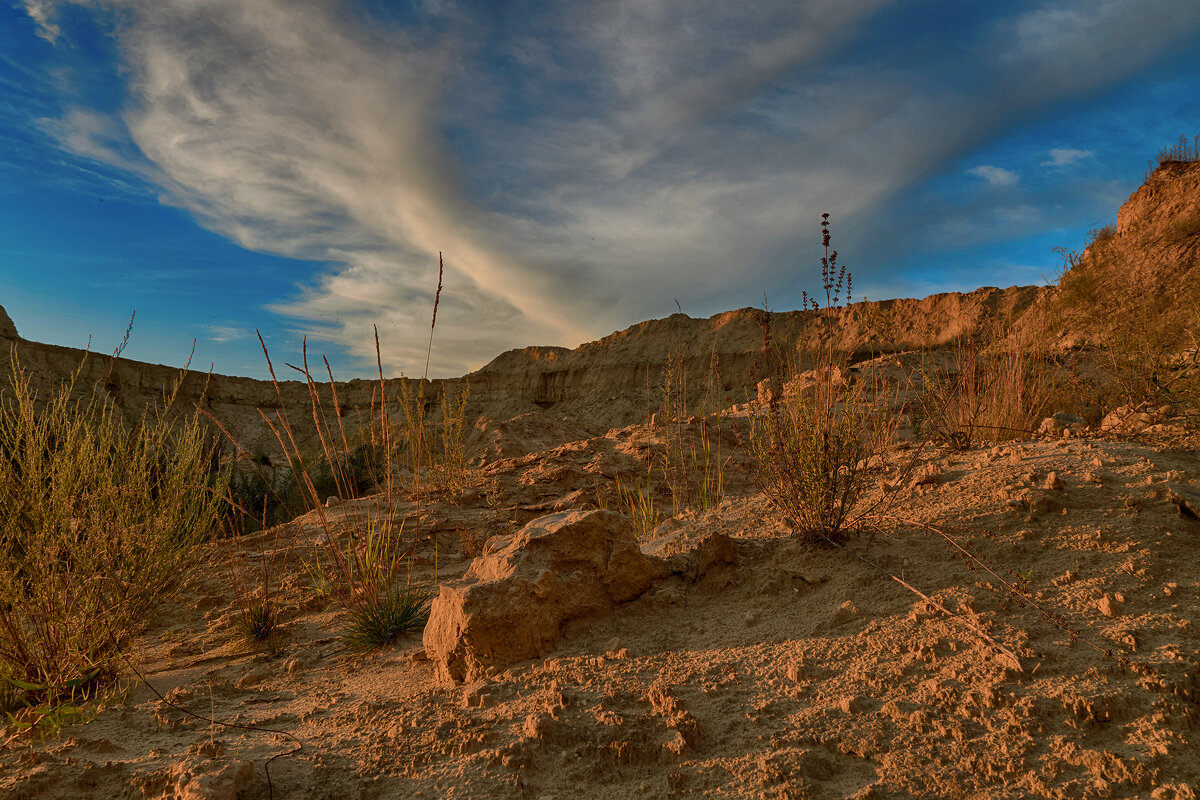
column 296, row 165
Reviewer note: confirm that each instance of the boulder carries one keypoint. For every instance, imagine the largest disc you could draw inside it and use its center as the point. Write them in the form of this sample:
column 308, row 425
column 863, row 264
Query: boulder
column 513, row 601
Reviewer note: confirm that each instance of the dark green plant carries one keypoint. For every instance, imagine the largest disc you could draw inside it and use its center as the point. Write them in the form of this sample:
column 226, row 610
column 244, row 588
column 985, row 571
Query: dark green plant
column 383, row 618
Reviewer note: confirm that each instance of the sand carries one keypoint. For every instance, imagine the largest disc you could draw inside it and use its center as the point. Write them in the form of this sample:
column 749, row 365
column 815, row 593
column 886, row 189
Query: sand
column 796, row 672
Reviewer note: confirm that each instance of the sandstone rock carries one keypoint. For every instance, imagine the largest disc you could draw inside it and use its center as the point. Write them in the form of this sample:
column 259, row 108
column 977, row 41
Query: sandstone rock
column 1061, row 423
column 514, row 599
column 1109, row 606
column 1053, row 482
column 192, row 783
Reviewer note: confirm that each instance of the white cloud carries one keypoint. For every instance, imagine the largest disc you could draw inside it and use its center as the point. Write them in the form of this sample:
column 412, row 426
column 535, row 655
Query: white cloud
column 996, row 176
column 225, row 333
column 42, row 13
column 1060, row 156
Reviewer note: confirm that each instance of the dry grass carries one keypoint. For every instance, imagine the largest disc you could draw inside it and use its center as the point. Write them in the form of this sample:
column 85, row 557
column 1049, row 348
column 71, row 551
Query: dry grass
column 364, row 573
column 984, row 395
column 814, row 438
column 102, row 517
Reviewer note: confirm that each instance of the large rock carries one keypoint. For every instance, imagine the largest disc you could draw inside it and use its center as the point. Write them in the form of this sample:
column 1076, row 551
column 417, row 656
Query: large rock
column 514, row 599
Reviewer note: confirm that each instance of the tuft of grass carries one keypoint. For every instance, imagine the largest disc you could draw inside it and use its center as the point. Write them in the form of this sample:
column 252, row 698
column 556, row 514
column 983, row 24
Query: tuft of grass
column 381, row 619
column 102, row 517
column 638, row 501
column 812, row 441
column 1182, row 151
column 257, row 621
column 984, row 395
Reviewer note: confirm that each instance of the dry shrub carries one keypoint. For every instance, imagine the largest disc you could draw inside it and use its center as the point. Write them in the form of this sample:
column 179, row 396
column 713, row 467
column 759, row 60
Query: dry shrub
column 813, row 440
column 983, row 395
column 102, row 518
column 1181, row 151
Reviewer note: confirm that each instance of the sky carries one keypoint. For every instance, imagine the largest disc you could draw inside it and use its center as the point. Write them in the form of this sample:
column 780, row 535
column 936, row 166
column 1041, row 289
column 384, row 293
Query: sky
column 294, row 167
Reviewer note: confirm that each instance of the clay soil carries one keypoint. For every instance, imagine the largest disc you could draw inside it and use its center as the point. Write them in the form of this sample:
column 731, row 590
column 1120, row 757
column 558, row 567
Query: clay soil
column 793, row 672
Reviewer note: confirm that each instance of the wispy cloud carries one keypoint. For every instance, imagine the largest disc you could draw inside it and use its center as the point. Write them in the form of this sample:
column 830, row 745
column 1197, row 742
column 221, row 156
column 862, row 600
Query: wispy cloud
column 580, row 164
column 996, row 176
column 42, row 13
column 1061, row 156
column 225, row 333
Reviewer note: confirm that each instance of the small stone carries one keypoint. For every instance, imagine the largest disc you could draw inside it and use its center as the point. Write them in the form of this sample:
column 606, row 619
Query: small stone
column 1093, row 478
column 796, row 672
column 1109, row 606
column 852, row 705
column 332, row 501
column 1053, row 481
column 927, row 475
column 256, row 675
column 845, row 612
column 751, row 619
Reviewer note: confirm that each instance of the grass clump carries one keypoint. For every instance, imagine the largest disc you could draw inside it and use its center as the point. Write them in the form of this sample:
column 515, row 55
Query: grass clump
column 257, row 621
column 383, row 618
column 983, row 395
column 102, row 518
column 813, row 438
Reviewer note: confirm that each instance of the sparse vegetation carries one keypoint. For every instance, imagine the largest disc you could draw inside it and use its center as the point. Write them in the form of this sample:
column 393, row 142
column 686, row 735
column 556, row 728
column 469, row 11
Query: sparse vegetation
column 812, row 440
column 102, row 517
column 1181, row 151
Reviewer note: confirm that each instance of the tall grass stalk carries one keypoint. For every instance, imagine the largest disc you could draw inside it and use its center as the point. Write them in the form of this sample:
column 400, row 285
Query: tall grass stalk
column 362, row 571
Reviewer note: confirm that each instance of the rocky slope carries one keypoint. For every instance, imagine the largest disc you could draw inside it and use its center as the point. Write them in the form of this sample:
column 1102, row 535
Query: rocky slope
column 1139, row 280
column 607, row 383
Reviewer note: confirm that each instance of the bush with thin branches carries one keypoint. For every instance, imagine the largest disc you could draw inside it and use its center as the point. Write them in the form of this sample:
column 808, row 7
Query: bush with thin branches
column 102, row 517
column 814, row 438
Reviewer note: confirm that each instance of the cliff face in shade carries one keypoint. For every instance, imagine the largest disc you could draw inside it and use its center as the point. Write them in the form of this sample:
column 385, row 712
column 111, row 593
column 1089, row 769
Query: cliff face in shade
column 7, row 329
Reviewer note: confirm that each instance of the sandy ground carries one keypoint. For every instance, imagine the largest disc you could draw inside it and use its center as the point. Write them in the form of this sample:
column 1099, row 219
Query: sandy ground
column 796, row 672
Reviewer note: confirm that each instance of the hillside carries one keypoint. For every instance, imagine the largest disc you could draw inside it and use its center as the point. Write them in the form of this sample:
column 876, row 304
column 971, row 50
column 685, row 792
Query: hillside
column 1017, row 620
